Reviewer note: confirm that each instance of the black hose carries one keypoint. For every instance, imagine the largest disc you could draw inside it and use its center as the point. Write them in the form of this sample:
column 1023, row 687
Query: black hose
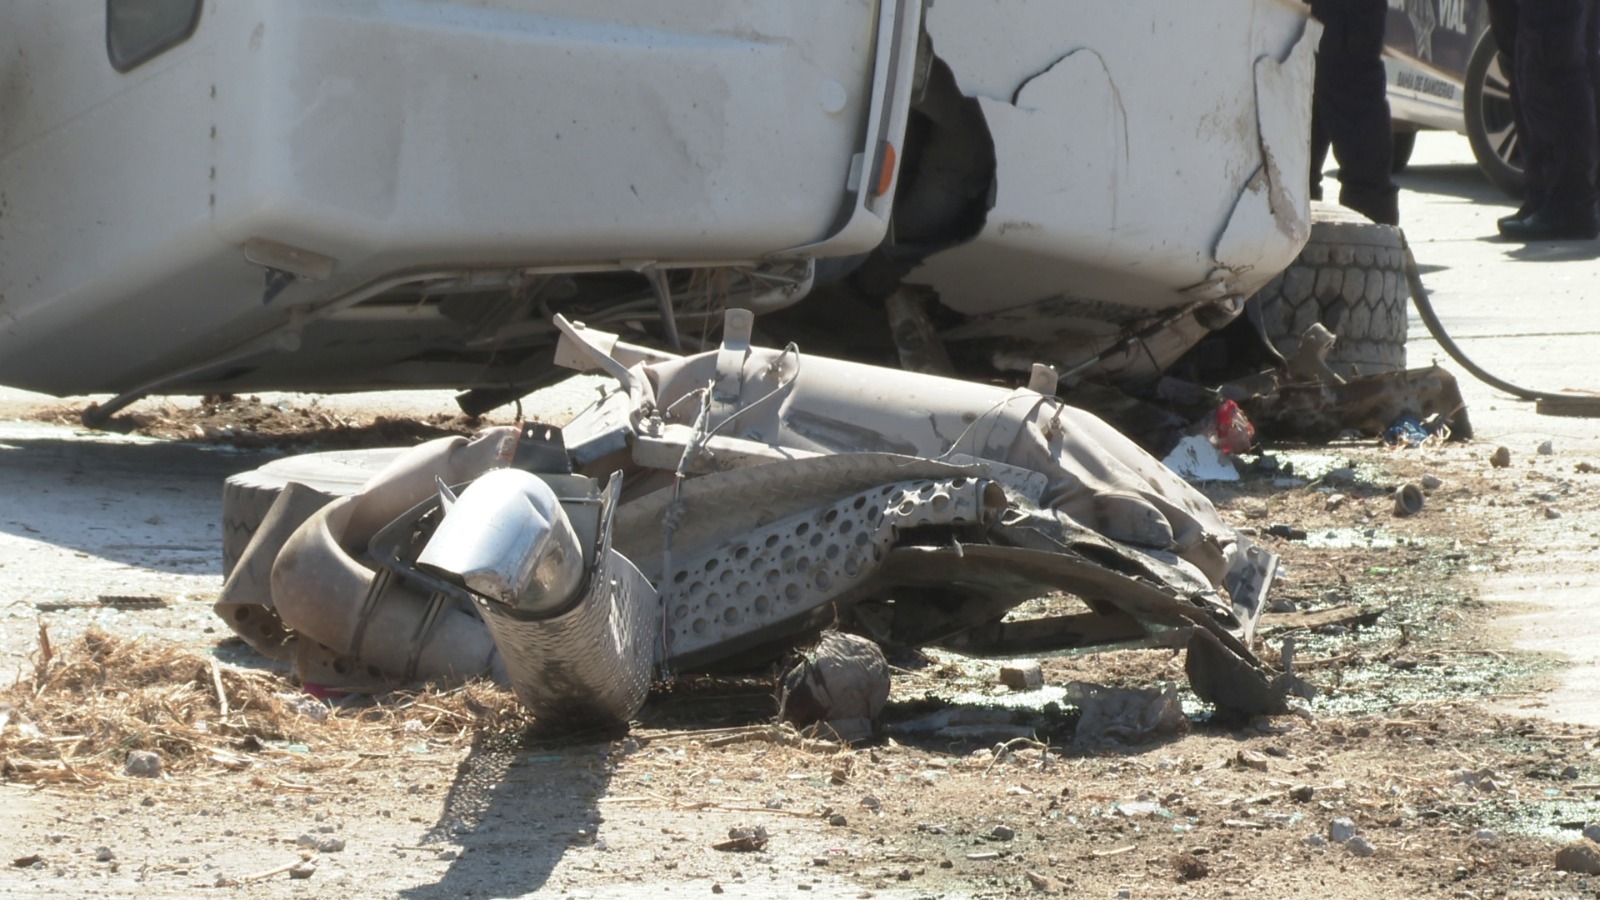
column 1548, row 403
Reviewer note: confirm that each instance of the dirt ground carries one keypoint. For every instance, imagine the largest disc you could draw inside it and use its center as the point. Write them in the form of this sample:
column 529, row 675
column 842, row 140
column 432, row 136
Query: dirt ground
column 266, row 793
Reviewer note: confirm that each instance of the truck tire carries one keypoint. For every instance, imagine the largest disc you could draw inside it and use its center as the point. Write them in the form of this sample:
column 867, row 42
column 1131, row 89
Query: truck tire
column 1491, row 125
column 1350, row 277
column 247, row 496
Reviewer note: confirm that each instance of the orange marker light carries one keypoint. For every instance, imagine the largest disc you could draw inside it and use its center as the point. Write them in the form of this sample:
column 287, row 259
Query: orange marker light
column 885, row 169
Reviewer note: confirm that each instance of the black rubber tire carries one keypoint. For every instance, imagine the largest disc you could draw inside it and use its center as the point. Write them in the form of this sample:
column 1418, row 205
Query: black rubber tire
column 1405, row 142
column 247, row 496
column 1350, row 277
column 1491, row 126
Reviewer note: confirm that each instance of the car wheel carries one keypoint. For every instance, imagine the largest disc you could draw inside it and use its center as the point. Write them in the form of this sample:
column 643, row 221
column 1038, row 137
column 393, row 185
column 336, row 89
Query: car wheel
column 1491, row 125
column 247, row 496
column 1350, row 277
column 1404, row 143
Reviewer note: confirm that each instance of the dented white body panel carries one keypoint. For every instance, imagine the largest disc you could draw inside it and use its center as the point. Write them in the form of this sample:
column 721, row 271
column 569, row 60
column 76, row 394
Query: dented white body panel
column 350, row 194
column 1148, row 153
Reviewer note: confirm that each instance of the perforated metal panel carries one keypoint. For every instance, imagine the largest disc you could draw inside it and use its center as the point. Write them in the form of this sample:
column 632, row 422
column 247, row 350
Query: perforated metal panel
column 721, row 597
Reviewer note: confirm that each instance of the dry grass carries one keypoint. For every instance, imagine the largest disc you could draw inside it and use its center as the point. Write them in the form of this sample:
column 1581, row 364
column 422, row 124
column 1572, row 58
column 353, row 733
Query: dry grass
column 86, row 706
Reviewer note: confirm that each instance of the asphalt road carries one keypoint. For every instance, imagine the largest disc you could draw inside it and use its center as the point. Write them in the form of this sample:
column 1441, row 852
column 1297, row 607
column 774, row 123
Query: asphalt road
column 1529, row 314
column 84, row 515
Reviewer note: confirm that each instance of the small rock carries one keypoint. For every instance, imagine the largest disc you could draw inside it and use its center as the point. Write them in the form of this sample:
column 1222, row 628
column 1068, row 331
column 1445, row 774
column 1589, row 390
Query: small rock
column 1341, row 475
column 1041, row 882
column 1287, row 532
column 1581, row 857
column 1432, row 482
column 1302, row 793
column 1550, row 512
column 1250, row 759
column 743, row 840
column 1190, row 867
column 1341, row 830
column 1022, row 675
column 142, row 764
column 1282, row 605
column 104, row 854
column 819, row 860
column 838, row 819
column 329, row 845
column 56, row 837
column 1548, row 448
column 1002, row 833
column 871, row 802
column 1333, row 502
column 303, row 870
column 905, row 875
column 716, row 887
column 448, row 854
column 1570, row 773
column 1360, row 846
column 1592, row 831
column 1124, row 893
column 1501, row 458
column 1316, row 840
column 1485, row 834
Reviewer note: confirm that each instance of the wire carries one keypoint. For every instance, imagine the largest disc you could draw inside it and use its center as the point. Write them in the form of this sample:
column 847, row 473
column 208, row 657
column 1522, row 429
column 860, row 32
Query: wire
column 1549, row 403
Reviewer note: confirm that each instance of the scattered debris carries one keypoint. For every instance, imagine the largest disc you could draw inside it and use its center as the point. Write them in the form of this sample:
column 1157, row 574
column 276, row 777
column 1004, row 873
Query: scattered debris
column 1252, row 759
column 1124, row 715
column 27, row 862
column 1501, row 458
column 142, row 764
column 1002, row 833
column 1360, row 846
column 1341, row 830
column 743, row 840
column 1548, row 448
column 1287, row 532
column 1408, row 500
column 1580, row 856
column 1190, row 867
column 843, row 682
column 1022, row 675
column 124, row 603
column 302, row 870
column 1432, row 482
column 1196, row 459
column 964, row 723
column 321, row 843
column 1333, row 501
column 1041, row 882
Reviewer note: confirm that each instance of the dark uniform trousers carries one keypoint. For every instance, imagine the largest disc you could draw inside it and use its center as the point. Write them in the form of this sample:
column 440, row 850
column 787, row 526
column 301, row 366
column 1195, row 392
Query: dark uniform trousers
column 1550, row 48
column 1350, row 107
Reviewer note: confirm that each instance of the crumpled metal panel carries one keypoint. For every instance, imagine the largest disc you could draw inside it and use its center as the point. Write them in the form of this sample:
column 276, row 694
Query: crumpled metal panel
column 1115, row 184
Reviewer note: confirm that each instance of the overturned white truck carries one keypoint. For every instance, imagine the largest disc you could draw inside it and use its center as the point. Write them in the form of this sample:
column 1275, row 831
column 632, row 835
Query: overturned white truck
column 200, row 196
column 718, row 510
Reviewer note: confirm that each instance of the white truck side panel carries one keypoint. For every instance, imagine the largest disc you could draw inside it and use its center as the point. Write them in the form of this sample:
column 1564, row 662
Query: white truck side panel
column 1128, row 172
column 385, row 135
